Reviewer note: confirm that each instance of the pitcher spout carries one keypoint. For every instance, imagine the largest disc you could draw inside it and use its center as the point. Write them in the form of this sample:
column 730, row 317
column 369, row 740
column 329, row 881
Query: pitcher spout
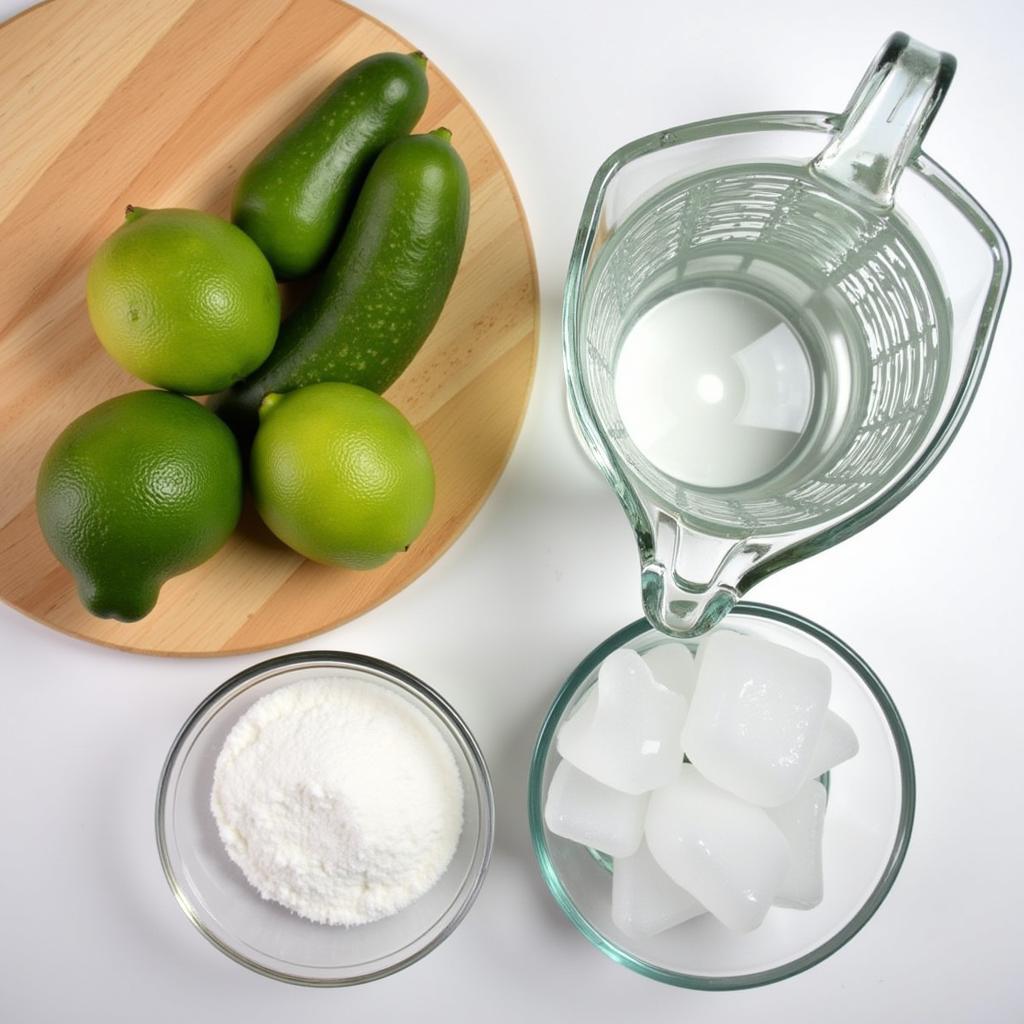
column 690, row 579
column 679, row 609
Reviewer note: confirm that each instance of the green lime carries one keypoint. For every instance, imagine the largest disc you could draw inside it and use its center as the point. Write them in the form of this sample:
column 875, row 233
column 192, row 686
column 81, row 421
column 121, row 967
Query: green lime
column 184, row 300
column 340, row 475
column 139, row 489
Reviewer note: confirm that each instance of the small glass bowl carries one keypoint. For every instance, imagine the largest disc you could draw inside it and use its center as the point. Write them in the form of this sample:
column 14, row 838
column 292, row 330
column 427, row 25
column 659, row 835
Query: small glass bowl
column 867, row 828
column 262, row 935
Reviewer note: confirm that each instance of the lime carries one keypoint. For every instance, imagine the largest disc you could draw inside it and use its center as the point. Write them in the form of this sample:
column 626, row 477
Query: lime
column 340, row 475
column 184, row 300
column 138, row 489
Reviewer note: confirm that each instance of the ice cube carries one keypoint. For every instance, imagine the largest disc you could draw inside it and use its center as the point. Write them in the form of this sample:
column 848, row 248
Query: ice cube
column 645, row 901
column 837, row 743
column 756, row 716
column 672, row 665
column 628, row 730
column 584, row 810
column 802, row 820
column 727, row 853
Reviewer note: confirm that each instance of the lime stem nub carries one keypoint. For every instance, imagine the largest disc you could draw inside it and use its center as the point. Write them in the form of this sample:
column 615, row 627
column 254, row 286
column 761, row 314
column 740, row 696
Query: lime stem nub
column 444, row 134
column 268, row 403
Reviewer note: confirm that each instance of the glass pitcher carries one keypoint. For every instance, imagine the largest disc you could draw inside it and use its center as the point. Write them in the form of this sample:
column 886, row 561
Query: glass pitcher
column 767, row 344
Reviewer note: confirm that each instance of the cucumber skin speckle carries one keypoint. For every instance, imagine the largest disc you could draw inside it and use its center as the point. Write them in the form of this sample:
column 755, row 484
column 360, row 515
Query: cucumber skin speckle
column 295, row 195
column 384, row 288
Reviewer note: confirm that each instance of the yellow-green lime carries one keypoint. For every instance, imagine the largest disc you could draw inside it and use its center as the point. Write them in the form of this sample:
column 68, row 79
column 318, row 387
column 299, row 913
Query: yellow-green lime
column 138, row 489
column 183, row 299
column 340, row 475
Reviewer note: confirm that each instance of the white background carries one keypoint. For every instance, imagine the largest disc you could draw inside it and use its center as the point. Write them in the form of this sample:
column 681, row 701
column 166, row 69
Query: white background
column 930, row 596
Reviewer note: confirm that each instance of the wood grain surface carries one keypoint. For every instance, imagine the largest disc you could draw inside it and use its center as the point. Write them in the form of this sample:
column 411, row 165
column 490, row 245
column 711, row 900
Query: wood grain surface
column 162, row 103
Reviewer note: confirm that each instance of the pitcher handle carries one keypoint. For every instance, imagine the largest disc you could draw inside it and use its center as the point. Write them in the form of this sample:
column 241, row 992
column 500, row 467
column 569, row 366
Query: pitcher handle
column 886, row 120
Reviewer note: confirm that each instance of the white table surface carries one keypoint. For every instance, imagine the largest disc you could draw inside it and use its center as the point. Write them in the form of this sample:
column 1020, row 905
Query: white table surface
column 88, row 928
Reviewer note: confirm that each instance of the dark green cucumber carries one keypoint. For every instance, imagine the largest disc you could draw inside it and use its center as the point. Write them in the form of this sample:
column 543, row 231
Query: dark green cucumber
column 292, row 199
column 383, row 289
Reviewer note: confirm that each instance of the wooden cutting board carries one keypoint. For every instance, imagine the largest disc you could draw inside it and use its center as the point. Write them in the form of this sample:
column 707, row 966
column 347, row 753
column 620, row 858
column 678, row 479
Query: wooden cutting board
column 162, row 103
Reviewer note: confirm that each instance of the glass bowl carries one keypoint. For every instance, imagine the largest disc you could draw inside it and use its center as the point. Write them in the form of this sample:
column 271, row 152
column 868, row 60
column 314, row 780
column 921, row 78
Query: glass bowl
column 867, row 828
column 262, row 935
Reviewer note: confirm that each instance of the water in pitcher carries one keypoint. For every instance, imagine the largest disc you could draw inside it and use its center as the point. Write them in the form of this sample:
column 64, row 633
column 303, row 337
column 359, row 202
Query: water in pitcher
column 714, row 386
column 771, row 351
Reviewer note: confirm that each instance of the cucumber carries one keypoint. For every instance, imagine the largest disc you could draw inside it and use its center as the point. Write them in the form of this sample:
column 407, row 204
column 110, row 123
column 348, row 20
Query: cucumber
column 384, row 288
column 292, row 199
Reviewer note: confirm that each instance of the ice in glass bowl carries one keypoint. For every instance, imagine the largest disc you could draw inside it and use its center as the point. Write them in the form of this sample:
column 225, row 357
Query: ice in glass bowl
column 867, row 826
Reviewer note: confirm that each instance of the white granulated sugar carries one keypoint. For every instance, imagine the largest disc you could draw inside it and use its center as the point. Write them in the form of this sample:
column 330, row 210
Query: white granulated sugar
column 337, row 799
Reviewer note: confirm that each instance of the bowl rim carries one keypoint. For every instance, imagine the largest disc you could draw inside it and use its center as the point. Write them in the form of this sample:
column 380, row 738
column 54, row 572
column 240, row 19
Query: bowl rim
column 409, row 682
column 579, row 675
